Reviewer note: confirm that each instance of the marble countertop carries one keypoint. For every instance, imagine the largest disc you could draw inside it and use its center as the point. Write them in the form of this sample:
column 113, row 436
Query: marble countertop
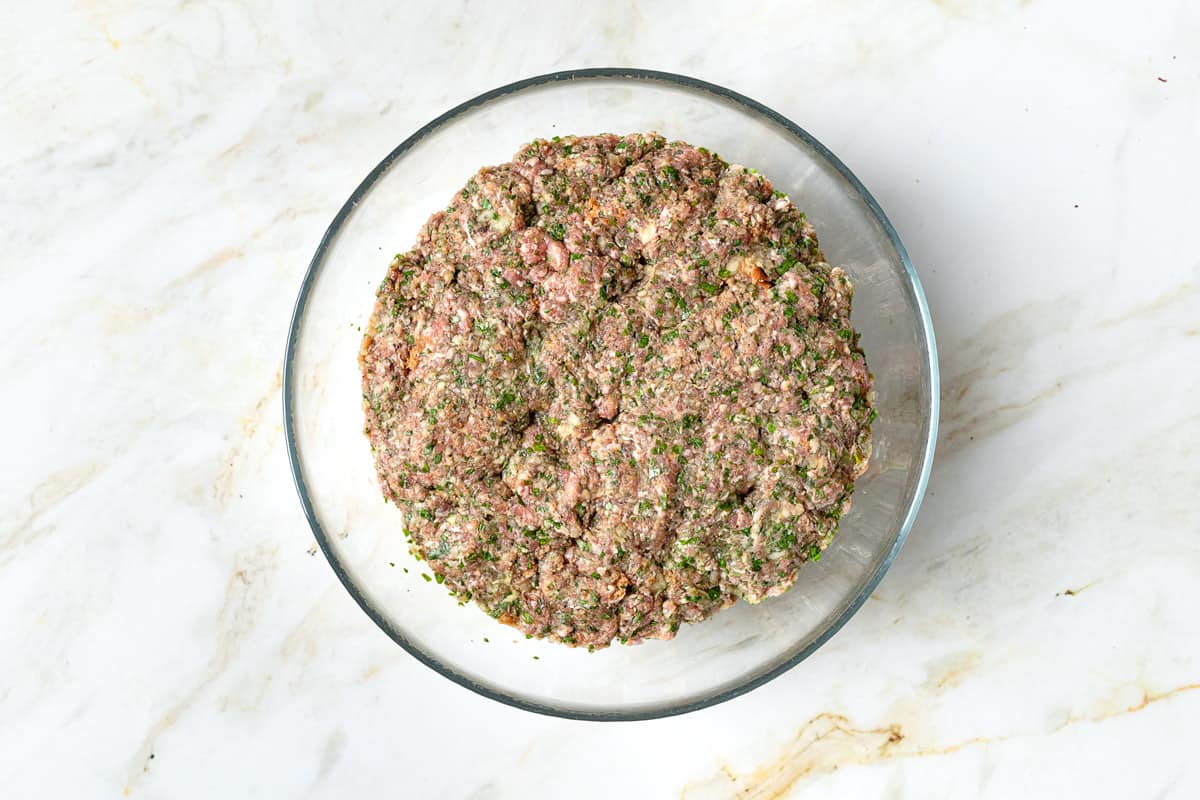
column 167, row 172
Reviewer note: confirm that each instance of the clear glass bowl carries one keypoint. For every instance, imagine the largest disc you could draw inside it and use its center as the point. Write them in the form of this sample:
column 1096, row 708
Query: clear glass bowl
column 741, row 647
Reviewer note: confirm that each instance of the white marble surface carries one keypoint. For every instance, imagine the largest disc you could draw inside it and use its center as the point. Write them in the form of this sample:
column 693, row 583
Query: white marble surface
column 167, row 171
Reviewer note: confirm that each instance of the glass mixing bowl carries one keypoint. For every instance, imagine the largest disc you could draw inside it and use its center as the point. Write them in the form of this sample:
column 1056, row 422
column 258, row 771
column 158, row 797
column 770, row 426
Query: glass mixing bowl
column 738, row 649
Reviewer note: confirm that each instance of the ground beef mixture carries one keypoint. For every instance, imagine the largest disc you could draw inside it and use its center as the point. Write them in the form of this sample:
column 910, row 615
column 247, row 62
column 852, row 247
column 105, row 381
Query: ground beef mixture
column 614, row 388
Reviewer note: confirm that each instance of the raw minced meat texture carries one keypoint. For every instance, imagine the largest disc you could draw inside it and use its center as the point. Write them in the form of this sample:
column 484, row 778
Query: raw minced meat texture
column 614, row 388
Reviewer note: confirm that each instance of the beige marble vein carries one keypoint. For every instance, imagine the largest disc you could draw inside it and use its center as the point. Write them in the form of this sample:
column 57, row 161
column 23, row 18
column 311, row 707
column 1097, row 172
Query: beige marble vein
column 827, row 743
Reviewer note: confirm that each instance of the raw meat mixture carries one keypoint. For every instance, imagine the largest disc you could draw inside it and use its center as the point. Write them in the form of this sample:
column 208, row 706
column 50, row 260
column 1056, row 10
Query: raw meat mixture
column 614, row 388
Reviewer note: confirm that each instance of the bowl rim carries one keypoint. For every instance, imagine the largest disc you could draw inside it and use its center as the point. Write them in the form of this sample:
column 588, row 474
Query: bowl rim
column 289, row 379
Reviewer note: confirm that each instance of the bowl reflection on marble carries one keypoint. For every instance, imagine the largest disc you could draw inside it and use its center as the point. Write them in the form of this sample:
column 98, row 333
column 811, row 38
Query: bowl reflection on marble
column 738, row 649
